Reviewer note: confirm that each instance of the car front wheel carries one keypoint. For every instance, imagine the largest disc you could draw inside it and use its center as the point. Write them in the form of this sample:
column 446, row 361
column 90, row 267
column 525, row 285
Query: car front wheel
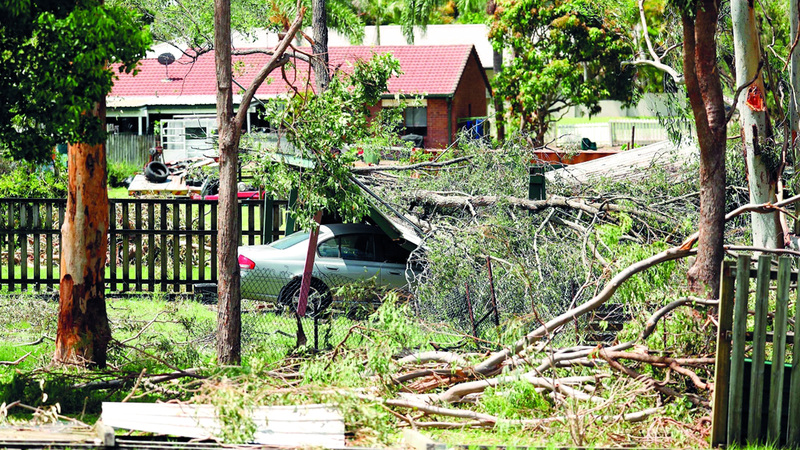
column 319, row 297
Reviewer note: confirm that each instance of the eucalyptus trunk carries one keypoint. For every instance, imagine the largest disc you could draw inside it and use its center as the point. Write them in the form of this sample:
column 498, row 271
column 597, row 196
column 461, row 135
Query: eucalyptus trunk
column 762, row 176
column 83, row 332
column 497, row 67
column 319, row 25
column 705, row 96
column 229, row 323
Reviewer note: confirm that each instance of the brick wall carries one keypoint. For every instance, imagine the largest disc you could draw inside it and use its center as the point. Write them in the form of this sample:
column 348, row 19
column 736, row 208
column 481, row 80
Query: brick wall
column 470, row 97
column 437, row 123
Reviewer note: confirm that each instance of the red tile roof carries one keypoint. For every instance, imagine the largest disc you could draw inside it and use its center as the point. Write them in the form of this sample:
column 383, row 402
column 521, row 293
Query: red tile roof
column 429, row 70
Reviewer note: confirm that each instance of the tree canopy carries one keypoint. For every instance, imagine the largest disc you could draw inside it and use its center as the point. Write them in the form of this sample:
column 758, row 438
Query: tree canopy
column 53, row 68
column 566, row 53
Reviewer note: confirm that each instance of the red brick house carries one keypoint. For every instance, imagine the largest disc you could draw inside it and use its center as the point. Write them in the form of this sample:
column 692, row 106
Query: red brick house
column 449, row 81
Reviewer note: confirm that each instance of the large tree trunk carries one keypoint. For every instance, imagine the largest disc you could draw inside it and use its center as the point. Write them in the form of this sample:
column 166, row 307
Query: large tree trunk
column 705, row 95
column 763, row 182
column 229, row 323
column 83, row 332
column 319, row 22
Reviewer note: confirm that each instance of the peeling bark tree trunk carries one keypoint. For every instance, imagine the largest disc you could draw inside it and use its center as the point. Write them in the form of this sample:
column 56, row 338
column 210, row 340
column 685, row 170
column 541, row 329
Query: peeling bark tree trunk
column 229, row 324
column 767, row 232
column 319, row 19
column 705, row 95
column 83, row 332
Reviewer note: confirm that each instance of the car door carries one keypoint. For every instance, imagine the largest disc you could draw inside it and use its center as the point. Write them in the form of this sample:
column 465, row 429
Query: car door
column 394, row 259
column 348, row 258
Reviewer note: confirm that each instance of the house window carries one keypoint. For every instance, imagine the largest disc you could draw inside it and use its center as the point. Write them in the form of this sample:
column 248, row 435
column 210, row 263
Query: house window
column 417, row 120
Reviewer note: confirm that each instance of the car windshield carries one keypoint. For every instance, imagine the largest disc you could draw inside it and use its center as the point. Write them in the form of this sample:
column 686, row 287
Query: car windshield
column 288, row 241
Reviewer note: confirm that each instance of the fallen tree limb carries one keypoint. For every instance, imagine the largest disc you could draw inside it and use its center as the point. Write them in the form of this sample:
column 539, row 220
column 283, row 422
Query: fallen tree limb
column 433, row 356
column 650, row 325
column 120, row 382
column 649, row 381
column 15, row 362
column 457, row 392
column 422, row 165
column 675, row 364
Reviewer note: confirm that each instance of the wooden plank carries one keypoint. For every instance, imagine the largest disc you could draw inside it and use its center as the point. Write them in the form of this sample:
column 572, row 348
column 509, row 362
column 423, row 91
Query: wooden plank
column 214, row 241
column 778, row 352
column 251, row 223
column 293, row 426
column 719, row 412
column 201, row 244
column 23, row 244
column 137, row 207
column 37, row 247
column 164, row 240
column 736, row 385
column 113, row 247
column 126, row 249
column 188, row 253
column 12, row 250
column 176, row 246
column 267, row 216
column 48, row 224
column 793, row 428
column 151, row 247
column 754, row 432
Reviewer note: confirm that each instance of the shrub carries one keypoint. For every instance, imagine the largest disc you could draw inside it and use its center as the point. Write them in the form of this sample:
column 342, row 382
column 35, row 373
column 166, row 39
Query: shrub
column 28, row 180
column 118, row 172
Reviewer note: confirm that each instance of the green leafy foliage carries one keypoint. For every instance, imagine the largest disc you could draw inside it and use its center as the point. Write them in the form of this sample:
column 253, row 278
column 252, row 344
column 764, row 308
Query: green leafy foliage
column 324, row 129
column 30, row 180
column 516, row 400
column 567, row 52
column 119, row 171
column 54, row 58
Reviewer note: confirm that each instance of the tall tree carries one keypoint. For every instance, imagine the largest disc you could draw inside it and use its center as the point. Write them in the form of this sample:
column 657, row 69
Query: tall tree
column 761, row 172
column 230, row 123
column 566, row 53
column 319, row 28
column 701, row 74
column 54, row 78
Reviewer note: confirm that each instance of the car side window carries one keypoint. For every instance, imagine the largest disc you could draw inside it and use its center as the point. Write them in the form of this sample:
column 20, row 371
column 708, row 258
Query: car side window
column 329, row 248
column 390, row 251
column 357, row 247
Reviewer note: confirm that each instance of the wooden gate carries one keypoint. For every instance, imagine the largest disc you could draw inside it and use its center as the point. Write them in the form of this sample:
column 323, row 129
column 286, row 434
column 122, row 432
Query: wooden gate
column 755, row 400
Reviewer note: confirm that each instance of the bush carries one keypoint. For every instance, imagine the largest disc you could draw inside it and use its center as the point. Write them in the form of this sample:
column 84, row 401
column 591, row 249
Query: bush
column 22, row 179
column 118, row 172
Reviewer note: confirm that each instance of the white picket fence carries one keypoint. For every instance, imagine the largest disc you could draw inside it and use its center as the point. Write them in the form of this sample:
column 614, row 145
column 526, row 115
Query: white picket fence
column 613, row 132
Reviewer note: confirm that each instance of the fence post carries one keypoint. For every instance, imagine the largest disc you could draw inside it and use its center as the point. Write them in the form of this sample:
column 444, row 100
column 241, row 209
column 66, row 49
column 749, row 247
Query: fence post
column 491, row 290
column 778, row 352
column 471, row 315
column 759, row 345
column 536, row 183
column 719, row 414
column 736, row 385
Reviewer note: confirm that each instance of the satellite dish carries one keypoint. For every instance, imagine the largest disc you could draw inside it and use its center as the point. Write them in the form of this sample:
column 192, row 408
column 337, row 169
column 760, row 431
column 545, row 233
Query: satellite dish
column 166, row 59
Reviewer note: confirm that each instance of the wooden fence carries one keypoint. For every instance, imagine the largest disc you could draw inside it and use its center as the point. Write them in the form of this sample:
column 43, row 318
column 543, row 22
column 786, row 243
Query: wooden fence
column 129, row 148
column 759, row 404
column 165, row 245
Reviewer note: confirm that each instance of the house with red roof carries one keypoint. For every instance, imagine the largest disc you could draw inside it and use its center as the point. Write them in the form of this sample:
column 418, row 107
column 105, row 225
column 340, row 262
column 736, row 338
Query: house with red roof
column 448, row 84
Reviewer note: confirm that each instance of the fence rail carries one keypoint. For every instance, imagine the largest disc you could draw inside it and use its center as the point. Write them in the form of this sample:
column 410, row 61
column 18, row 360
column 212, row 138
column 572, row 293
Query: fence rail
column 165, row 245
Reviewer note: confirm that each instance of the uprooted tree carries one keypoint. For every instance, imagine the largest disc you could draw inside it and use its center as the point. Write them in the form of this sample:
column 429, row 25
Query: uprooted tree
column 54, row 91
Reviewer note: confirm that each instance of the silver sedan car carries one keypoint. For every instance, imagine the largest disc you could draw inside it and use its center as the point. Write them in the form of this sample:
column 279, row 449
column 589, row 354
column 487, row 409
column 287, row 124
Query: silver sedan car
column 346, row 253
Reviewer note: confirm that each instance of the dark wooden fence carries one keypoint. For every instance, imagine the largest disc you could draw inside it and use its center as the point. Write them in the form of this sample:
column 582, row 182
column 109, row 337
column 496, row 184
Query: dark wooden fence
column 130, row 148
column 156, row 245
column 757, row 401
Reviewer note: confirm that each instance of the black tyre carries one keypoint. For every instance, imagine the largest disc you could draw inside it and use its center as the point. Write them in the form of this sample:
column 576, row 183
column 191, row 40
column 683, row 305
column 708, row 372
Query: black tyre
column 319, row 297
column 156, row 172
